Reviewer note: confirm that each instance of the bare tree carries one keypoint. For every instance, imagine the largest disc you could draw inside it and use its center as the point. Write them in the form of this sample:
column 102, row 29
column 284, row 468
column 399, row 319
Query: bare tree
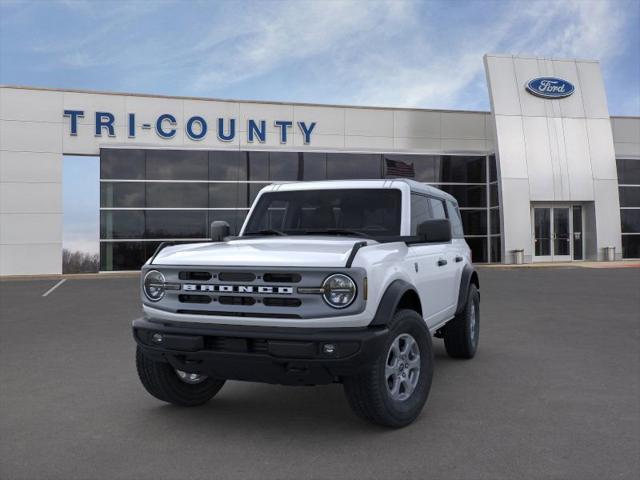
column 79, row 262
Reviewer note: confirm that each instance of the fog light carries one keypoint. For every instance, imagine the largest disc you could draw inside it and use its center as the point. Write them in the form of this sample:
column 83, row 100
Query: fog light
column 329, row 348
column 156, row 338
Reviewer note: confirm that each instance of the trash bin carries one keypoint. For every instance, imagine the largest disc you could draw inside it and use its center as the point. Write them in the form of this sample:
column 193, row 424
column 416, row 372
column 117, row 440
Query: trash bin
column 518, row 256
column 609, row 254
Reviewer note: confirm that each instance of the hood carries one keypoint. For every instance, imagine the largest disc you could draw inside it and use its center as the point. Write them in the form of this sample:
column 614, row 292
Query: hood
column 290, row 251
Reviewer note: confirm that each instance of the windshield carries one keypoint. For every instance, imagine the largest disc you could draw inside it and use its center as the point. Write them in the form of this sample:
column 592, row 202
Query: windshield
column 360, row 212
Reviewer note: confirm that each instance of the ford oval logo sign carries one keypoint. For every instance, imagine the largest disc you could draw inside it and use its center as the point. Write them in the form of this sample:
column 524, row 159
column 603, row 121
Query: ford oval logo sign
column 550, row 87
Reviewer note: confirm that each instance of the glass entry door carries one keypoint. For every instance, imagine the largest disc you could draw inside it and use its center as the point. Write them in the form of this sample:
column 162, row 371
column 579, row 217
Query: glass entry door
column 557, row 233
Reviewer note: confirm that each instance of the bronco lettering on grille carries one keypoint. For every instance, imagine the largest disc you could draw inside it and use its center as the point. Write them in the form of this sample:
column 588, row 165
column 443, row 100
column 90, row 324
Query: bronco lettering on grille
column 191, row 287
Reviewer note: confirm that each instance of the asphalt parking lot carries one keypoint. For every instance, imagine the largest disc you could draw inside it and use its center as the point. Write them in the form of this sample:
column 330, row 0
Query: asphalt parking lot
column 554, row 392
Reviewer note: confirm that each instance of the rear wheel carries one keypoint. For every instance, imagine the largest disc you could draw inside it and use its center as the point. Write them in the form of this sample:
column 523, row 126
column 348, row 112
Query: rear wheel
column 175, row 386
column 462, row 333
column 394, row 388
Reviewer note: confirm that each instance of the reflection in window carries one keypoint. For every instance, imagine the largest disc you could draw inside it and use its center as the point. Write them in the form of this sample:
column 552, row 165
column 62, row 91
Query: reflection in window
column 228, row 165
column 341, row 166
column 121, row 224
column 283, row 166
column 628, row 171
column 122, row 195
column 629, row 196
column 457, row 230
column 124, row 164
column 631, row 246
column 467, row 195
column 258, row 168
column 177, row 165
column 478, row 246
column 314, row 166
column 630, row 221
column 420, row 211
column 177, row 195
column 122, row 255
column 228, row 195
column 176, row 224
column 474, row 221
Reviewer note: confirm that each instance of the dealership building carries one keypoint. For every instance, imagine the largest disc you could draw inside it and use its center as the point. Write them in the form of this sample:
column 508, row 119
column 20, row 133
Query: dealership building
column 546, row 175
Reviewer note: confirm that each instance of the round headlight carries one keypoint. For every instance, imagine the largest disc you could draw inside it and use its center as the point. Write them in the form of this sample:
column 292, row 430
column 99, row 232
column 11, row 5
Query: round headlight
column 154, row 285
column 339, row 290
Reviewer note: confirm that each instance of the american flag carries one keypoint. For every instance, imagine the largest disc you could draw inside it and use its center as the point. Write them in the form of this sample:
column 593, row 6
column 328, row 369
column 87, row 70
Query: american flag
column 397, row 168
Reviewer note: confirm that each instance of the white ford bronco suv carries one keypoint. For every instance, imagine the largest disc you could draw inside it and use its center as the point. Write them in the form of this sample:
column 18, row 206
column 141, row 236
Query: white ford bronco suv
column 332, row 281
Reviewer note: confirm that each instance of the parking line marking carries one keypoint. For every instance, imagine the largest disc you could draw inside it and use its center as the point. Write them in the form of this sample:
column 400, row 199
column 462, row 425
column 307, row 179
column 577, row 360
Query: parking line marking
column 54, row 287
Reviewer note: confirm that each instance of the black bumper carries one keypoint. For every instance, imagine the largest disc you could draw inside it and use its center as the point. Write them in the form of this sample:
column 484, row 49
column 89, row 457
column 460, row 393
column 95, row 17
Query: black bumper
column 289, row 356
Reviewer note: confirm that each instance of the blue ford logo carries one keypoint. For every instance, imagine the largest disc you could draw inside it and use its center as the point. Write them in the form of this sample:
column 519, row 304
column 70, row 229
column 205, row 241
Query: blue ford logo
column 550, row 87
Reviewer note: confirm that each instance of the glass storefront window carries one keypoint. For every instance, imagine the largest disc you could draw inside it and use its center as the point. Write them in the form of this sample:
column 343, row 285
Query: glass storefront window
column 163, row 224
column 496, row 252
column 228, row 195
column 474, row 221
column 630, row 221
column 478, row 246
column 122, row 255
column 227, row 165
column 628, row 171
column 177, row 165
column 629, row 196
column 283, row 166
column 122, row 224
column 342, row 166
column 631, row 246
column 122, row 195
column 122, row 164
column 222, row 183
column 177, row 195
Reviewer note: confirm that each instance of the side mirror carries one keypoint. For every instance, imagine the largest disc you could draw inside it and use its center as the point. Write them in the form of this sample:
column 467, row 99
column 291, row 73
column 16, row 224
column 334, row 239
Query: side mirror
column 435, row 231
column 219, row 230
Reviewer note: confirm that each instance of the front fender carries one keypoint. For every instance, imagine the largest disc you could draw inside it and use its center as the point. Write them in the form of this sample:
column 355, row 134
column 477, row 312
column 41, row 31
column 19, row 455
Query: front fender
column 389, row 302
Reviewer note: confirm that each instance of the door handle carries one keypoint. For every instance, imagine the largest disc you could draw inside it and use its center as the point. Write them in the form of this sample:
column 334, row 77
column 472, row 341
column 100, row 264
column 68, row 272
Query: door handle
column 458, row 259
column 442, row 262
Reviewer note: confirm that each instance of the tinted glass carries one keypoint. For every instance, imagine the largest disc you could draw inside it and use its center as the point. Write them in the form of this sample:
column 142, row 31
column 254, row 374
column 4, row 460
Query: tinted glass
column 630, row 221
column 493, row 169
column 314, row 166
column 121, row 224
column 467, row 195
column 474, row 221
column 628, row 171
column 284, row 166
column 495, row 220
column 228, row 195
column 122, row 164
column 631, row 246
column 254, row 189
column 118, row 195
column 494, row 199
column 496, row 253
column 258, row 168
column 456, row 221
column 375, row 212
column 353, row 165
column 177, row 195
column 122, row 255
column 177, row 165
column 463, row 169
column 478, row 246
column 437, row 208
column 420, row 211
column 163, row 224
column 629, row 196
column 227, row 165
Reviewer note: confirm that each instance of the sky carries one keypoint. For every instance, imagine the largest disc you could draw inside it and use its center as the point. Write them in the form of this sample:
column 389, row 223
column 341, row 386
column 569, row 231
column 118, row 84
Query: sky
column 380, row 53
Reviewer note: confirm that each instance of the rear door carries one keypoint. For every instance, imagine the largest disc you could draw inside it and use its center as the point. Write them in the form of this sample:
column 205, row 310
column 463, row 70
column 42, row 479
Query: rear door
column 431, row 264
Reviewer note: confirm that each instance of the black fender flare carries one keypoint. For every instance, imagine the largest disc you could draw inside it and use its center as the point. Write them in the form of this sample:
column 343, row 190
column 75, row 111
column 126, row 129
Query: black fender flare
column 469, row 275
column 389, row 302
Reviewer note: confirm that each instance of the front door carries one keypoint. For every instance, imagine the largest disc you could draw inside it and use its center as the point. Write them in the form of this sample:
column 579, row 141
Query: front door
column 557, row 233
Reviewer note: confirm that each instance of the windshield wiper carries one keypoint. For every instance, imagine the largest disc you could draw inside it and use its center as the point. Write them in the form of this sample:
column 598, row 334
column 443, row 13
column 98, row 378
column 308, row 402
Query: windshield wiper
column 267, row 232
column 337, row 231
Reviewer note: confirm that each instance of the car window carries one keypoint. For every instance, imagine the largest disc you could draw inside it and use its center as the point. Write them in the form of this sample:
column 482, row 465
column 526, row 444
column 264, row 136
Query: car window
column 456, row 222
column 420, row 211
column 437, row 208
column 371, row 212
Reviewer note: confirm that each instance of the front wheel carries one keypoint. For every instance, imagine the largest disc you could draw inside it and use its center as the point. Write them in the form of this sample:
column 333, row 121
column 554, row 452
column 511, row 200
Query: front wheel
column 393, row 389
column 175, row 386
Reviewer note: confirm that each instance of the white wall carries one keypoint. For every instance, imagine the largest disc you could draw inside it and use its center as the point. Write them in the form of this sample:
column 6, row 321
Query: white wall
column 34, row 135
column 552, row 150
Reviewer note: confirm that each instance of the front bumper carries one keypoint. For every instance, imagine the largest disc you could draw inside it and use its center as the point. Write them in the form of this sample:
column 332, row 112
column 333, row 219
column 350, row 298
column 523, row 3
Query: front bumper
column 288, row 356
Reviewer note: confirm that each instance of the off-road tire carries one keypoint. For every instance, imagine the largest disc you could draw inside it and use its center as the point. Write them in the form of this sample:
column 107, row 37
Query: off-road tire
column 161, row 380
column 460, row 338
column 367, row 392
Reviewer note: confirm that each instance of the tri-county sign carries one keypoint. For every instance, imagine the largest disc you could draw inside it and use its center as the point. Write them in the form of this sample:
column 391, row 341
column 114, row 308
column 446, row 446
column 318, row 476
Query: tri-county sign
column 196, row 127
column 550, row 87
